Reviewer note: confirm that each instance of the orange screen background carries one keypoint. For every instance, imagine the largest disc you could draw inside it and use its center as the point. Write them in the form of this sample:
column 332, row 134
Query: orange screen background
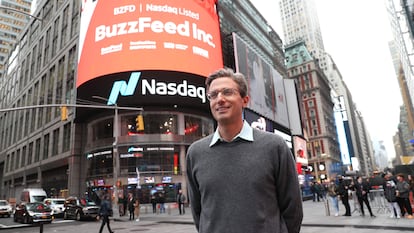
column 93, row 63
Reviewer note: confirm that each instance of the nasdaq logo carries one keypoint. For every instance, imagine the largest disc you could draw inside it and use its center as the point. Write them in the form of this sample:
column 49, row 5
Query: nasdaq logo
column 123, row 88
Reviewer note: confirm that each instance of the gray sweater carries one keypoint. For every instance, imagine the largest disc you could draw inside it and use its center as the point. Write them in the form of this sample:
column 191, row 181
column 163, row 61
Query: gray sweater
column 243, row 186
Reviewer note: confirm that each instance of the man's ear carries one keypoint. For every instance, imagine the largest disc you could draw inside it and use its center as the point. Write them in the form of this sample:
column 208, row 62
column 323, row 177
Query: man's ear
column 245, row 100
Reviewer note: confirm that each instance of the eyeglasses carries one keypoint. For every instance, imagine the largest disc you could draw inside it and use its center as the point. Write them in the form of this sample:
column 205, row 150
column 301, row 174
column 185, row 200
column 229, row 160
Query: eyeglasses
column 227, row 92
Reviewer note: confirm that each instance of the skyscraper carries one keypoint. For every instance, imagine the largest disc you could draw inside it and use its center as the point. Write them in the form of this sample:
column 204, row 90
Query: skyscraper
column 14, row 16
column 300, row 23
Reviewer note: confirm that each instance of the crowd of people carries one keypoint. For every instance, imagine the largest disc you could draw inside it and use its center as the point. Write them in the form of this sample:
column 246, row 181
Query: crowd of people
column 397, row 190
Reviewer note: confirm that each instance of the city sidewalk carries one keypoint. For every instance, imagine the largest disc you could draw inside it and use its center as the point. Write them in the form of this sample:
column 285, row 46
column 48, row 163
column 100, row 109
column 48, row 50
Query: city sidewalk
column 315, row 214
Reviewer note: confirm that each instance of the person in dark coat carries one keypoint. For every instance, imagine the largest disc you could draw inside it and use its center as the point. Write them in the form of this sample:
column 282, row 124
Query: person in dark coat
column 154, row 204
column 131, row 206
column 104, row 212
column 362, row 190
column 390, row 187
column 161, row 200
column 343, row 193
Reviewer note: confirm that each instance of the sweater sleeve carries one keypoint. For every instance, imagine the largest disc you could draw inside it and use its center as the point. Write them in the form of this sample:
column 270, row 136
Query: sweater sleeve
column 288, row 191
column 194, row 195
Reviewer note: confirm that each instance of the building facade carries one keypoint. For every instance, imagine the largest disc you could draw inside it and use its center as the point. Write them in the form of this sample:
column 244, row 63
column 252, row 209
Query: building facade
column 14, row 17
column 83, row 113
column 300, row 23
column 323, row 147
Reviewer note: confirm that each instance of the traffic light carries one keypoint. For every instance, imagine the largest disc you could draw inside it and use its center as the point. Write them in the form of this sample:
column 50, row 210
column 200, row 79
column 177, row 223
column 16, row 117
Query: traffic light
column 139, row 123
column 63, row 113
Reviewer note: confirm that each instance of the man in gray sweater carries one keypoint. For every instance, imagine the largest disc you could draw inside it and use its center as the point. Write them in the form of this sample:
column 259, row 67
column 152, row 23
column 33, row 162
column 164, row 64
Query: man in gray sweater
column 241, row 179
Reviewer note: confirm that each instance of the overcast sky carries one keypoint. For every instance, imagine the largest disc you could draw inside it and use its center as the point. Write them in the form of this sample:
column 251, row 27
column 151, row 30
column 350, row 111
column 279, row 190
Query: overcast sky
column 356, row 34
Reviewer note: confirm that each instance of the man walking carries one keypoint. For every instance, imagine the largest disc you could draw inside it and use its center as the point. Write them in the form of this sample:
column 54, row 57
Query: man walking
column 104, row 212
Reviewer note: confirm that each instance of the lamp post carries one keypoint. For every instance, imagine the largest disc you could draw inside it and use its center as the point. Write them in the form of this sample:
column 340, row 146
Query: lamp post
column 21, row 12
column 115, row 157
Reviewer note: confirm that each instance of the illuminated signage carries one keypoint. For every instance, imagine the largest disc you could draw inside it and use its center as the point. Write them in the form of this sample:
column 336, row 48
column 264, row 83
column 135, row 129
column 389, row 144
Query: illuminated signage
column 129, row 35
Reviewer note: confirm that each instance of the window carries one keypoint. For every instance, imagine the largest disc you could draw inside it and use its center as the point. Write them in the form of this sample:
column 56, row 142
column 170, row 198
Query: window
column 66, row 137
column 46, row 146
column 29, row 157
column 153, row 124
column 55, row 143
column 37, row 150
column 196, row 126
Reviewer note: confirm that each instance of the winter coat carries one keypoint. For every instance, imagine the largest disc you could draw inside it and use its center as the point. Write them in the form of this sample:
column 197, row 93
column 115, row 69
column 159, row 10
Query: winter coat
column 389, row 191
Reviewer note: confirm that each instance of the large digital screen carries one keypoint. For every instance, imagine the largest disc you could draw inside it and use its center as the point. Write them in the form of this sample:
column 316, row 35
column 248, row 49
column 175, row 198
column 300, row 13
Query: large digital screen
column 129, row 35
column 266, row 86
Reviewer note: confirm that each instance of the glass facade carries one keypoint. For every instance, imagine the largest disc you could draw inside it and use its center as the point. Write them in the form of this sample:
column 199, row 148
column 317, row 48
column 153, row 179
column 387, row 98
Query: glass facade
column 152, row 151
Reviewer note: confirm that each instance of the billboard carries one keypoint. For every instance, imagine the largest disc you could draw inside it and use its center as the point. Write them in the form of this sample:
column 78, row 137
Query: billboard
column 129, row 35
column 266, row 87
column 301, row 153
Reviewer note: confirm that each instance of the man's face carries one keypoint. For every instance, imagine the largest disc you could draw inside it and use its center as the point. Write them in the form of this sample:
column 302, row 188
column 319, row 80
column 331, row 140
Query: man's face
column 226, row 109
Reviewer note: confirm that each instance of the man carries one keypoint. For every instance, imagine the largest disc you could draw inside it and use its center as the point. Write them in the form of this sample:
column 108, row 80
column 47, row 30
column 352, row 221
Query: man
column 180, row 201
column 104, row 212
column 333, row 195
column 389, row 187
column 241, row 179
column 362, row 190
column 402, row 193
column 131, row 206
column 343, row 193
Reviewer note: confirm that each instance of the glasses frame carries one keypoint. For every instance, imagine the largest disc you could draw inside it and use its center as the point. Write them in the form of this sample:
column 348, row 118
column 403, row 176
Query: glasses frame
column 226, row 92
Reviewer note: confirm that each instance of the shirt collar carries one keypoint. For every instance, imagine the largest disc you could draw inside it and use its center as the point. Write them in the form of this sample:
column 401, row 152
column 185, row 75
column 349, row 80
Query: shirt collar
column 246, row 133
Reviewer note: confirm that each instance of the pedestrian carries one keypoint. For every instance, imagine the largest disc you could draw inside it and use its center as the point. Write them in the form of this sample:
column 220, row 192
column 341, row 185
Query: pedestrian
column 104, row 212
column 411, row 183
column 333, row 196
column 320, row 188
column 154, row 204
column 362, row 190
column 343, row 193
column 241, row 179
column 137, row 209
column 180, row 201
column 131, row 206
column 389, row 187
column 316, row 191
column 402, row 192
column 124, row 205
column 161, row 200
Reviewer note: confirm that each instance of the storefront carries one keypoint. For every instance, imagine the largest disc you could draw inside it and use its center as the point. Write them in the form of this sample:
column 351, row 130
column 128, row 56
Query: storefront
column 151, row 159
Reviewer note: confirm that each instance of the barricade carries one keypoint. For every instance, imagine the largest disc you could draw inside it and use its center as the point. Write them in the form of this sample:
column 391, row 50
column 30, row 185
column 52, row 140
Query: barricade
column 377, row 200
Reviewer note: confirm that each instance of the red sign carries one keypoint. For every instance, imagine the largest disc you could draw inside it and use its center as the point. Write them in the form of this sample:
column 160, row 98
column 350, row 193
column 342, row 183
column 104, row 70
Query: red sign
column 128, row 35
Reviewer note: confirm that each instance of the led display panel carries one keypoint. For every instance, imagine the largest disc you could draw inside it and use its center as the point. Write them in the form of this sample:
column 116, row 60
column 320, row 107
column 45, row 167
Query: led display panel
column 129, row 35
column 266, row 87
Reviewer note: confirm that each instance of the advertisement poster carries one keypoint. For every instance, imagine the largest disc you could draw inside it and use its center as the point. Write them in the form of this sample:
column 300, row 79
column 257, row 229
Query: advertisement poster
column 129, row 35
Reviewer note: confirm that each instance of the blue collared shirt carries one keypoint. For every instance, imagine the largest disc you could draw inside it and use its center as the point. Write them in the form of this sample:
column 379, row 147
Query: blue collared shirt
column 246, row 133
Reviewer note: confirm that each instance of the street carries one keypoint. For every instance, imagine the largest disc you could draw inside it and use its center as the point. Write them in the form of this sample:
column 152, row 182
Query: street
column 315, row 221
column 153, row 227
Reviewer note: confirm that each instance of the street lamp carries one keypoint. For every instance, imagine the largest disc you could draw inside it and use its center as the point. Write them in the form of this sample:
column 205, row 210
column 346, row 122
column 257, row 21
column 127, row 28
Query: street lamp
column 115, row 157
column 21, row 12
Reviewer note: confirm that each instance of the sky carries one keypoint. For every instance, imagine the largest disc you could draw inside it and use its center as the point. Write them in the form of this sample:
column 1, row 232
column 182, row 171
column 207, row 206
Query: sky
column 356, row 34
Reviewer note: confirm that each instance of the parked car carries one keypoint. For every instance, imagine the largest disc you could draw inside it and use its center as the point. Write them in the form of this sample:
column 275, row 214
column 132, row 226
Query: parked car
column 5, row 208
column 33, row 213
column 57, row 205
column 80, row 208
